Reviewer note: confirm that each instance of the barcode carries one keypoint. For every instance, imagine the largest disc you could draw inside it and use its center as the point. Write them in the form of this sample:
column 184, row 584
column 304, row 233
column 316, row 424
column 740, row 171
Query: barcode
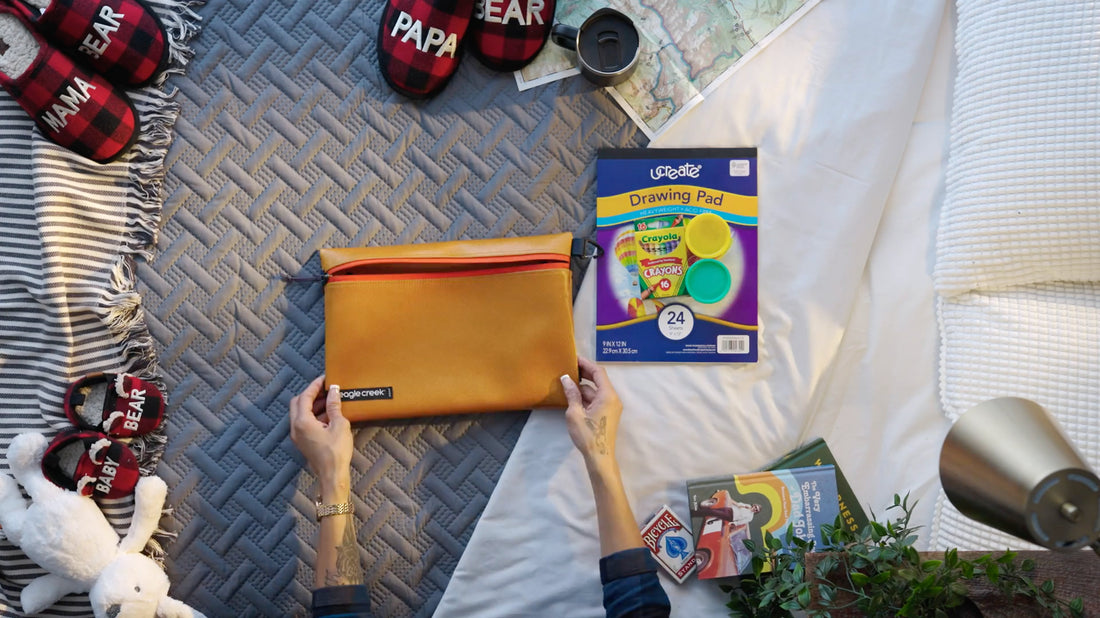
column 733, row 344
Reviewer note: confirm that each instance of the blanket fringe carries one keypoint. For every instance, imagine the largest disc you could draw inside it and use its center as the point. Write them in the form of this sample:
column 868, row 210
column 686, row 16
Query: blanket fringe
column 125, row 314
column 155, row 547
column 182, row 24
column 126, row 321
column 158, row 115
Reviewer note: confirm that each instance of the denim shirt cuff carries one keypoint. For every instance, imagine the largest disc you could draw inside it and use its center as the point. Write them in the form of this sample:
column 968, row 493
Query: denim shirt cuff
column 355, row 597
column 625, row 563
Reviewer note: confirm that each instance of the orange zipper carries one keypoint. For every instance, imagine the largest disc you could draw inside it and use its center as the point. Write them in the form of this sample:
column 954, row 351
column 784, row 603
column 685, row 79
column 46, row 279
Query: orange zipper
column 447, row 274
column 508, row 263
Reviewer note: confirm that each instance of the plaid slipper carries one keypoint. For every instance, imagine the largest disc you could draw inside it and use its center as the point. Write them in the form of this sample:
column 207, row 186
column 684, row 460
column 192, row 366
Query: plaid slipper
column 420, row 43
column 72, row 106
column 506, row 35
column 90, row 464
column 118, row 404
column 122, row 40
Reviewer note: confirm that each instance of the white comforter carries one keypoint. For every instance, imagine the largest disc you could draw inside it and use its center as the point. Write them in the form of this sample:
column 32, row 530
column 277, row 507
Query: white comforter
column 849, row 110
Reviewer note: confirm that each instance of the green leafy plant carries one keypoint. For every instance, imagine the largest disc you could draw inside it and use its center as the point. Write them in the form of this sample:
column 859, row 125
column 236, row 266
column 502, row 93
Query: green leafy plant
column 878, row 572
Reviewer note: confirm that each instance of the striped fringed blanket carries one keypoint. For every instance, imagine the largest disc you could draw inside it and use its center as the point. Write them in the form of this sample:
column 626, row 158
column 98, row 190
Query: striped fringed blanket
column 70, row 231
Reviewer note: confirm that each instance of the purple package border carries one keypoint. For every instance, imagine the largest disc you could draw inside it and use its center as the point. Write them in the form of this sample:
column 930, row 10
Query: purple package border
column 637, row 185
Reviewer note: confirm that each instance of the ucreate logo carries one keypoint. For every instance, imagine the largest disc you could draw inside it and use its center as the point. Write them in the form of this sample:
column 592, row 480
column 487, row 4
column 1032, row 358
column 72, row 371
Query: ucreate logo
column 685, row 170
column 367, row 394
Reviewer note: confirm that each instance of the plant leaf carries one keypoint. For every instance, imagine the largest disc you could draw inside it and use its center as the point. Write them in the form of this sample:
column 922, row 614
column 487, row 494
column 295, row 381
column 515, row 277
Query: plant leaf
column 958, row 588
column 859, row 579
column 908, row 574
column 992, row 571
column 804, row 597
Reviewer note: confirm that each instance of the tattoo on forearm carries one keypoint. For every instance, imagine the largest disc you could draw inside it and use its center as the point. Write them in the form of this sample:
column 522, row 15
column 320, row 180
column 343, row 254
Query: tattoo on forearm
column 599, row 430
column 348, row 570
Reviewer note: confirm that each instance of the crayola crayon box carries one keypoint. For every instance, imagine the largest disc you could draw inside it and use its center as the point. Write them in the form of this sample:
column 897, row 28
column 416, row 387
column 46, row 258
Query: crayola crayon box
column 678, row 281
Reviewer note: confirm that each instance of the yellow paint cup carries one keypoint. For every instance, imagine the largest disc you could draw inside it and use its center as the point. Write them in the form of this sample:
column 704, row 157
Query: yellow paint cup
column 708, row 235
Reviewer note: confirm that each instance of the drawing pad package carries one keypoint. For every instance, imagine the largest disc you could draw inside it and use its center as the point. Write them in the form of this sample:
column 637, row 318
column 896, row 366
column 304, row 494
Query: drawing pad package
column 680, row 281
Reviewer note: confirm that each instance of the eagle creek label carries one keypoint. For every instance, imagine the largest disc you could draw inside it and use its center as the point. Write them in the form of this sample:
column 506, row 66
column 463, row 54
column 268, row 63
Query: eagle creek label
column 372, row 393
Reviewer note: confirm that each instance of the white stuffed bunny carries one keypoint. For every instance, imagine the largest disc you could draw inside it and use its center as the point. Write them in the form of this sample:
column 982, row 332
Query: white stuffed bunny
column 67, row 535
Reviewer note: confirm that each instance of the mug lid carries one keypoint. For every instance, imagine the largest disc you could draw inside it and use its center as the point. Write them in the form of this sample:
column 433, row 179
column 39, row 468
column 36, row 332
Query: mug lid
column 608, row 42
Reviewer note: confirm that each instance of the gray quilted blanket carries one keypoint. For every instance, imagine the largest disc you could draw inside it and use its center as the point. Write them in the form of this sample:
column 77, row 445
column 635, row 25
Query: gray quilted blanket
column 289, row 141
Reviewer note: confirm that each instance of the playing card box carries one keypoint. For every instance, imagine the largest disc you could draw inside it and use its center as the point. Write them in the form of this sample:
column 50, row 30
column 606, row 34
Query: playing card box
column 670, row 541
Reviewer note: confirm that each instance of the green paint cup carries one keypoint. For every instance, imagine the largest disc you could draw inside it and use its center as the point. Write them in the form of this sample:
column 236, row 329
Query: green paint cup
column 708, row 281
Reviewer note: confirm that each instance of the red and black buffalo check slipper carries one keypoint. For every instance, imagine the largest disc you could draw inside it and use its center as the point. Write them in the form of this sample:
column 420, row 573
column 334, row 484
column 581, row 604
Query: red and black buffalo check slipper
column 117, row 404
column 91, row 464
column 420, row 43
column 506, row 35
column 122, row 40
column 71, row 106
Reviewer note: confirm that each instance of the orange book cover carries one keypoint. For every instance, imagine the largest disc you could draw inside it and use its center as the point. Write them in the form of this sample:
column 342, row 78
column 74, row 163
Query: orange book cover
column 727, row 511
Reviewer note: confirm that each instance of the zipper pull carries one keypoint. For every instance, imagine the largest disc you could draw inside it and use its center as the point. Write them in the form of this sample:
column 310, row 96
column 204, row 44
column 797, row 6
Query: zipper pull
column 311, row 279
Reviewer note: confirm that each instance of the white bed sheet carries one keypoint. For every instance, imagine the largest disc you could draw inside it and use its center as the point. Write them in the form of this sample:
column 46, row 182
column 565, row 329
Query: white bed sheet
column 849, row 109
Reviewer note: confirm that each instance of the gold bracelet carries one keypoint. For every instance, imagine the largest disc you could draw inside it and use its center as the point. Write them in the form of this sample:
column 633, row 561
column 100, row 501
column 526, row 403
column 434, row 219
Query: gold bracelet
column 324, row 510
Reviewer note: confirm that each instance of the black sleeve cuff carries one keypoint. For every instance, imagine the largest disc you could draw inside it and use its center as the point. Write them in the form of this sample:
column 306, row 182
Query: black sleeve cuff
column 341, row 600
column 626, row 563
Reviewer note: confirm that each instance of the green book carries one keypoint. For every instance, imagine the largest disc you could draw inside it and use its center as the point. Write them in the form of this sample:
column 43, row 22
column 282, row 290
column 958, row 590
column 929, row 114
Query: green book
column 817, row 453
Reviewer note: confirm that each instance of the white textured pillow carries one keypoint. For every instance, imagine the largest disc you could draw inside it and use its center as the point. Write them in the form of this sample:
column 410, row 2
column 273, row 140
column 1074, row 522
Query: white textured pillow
column 1022, row 198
